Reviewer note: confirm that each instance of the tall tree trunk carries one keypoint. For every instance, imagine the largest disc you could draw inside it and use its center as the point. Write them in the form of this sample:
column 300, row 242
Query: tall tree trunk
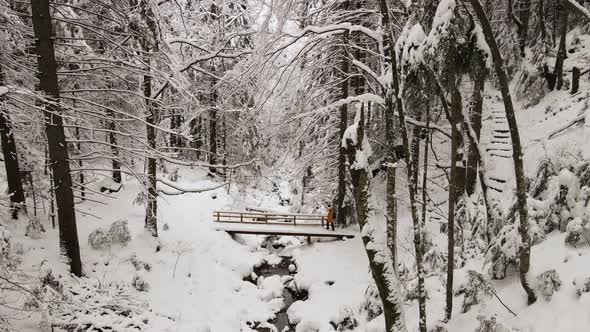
column 394, row 89
column 425, row 169
column 213, row 139
column 561, row 52
column 525, row 250
column 391, row 200
column 381, row 269
column 152, row 119
column 471, row 170
column 456, row 109
column 80, row 163
column 525, row 14
column 114, row 148
column 56, row 139
column 224, row 146
column 415, row 150
column 13, row 174
column 345, row 68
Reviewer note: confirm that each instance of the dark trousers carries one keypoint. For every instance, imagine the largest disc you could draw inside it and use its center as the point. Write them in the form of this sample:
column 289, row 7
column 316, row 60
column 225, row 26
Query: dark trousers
column 330, row 224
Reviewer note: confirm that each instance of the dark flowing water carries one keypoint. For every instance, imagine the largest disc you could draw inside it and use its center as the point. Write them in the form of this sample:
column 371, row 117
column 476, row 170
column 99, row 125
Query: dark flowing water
column 281, row 322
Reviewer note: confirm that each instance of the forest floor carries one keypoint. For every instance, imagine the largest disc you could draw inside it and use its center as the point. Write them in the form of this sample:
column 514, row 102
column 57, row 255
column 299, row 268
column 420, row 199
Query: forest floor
column 197, row 278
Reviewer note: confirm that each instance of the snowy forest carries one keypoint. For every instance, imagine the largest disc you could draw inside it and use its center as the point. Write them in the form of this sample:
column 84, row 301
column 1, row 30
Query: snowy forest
column 295, row 165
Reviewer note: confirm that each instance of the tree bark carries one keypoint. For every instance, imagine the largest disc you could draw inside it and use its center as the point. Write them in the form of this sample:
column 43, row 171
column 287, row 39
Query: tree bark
column 525, row 14
column 456, row 105
column 13, row 175
column 391, row 160
column 561, row 52
column 345, row 68
column 383, row 273
column 149, row 44
column 213, row 139
column 153, row 114
column 472, row 166
column 114, row 149
column 525, row 250
column 56, row 140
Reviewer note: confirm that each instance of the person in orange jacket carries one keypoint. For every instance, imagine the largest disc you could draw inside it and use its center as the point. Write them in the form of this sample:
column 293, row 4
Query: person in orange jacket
column 330, row 218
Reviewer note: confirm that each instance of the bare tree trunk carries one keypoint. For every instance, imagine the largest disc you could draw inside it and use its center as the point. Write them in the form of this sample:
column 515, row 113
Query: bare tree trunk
column 472, row 166
column 152, row 119
column 345, row 68
column 394, row 89
column 56, row 139
column 13, row 174
column 390, row 185
column 425, row 169
column 561, row 52
column 456, row 109
column 523, row 26
column 114, row 149
column 415, row 150
column 383, row 273
column 80, row 163
column 213, row 139
column 525, row 250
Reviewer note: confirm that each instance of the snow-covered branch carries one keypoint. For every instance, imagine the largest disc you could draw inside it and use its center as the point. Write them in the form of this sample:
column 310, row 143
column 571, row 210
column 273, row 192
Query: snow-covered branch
column 580, row 8
column 180, row 189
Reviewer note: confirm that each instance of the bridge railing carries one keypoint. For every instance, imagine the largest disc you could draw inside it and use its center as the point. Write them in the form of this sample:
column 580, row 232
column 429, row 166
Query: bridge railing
column 269, row 218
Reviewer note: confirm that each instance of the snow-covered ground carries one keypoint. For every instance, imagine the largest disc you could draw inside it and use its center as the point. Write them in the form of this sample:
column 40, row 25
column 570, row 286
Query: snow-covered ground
column 197, row 276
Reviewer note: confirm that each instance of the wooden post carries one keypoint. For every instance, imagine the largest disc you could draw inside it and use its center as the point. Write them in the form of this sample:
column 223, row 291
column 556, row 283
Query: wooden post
column 309, row 240
column 322, row 221
column 294, row 220
column 217, row 216
column 575, row 79
column 241, row 216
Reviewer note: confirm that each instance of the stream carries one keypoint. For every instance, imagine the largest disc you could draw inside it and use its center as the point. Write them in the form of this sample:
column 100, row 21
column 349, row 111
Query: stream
column 281, row 321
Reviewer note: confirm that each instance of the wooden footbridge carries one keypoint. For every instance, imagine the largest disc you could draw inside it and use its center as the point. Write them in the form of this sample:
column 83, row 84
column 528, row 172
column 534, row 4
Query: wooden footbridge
column 265, row 223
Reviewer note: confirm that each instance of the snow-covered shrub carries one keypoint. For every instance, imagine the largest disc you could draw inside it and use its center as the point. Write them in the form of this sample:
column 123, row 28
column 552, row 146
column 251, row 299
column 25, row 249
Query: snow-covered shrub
column 582, row 285
column 583, row 173
column 141, row 198
column 435, row 260
column 475, row 289
column 89, row 304
column 538, row 184
column 139, row 264
column 503, row 251
column 119, row 232
column 373, row 305
column 536, row 233
column 139, row 284
column 174, row 176
column 4, row 244
column 490, row 324
column 348, row 322
column 165, row 227
column 548, row 283
column 100, row 238
column 530, row 86
column 577, row 230
column 34, row 228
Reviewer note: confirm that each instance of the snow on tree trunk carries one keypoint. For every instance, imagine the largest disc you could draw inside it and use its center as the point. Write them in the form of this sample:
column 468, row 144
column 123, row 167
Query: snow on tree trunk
column 358, row 150
column 456, row 105
column 345, row 67
column 525, row 250
column 56, row 139
column 13, row 177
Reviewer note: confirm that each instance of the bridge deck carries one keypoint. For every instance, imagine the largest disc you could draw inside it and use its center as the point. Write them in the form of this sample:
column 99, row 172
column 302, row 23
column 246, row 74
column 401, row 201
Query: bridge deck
column 280, row 229
column 265, row 223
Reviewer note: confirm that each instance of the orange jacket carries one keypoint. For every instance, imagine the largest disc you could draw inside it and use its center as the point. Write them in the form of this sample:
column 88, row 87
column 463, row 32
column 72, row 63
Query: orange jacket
column 330, row 215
